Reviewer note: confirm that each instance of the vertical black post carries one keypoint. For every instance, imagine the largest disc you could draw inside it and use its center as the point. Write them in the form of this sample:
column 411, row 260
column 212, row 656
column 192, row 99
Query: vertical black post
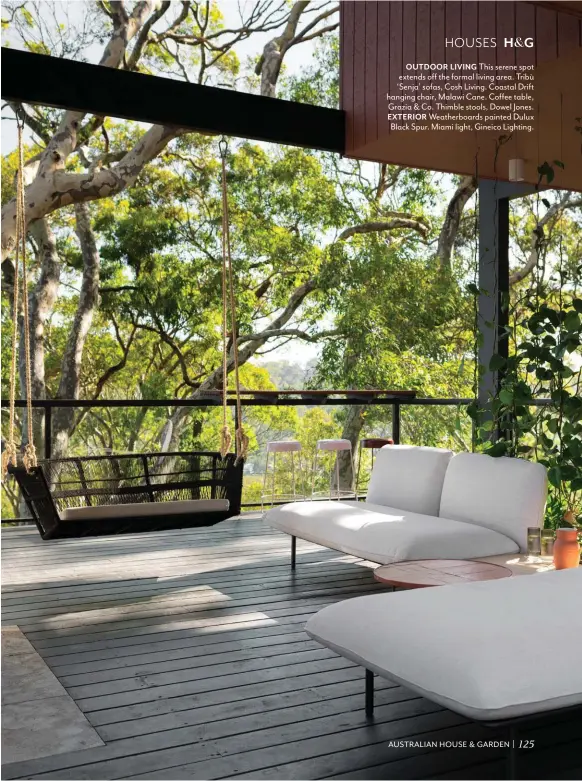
column 237, row 422
column 293, row 551
column 493, row 283
column 369, row 694
column 48, row 431
column 493, row 309
column 146, row 474
column 396, row 422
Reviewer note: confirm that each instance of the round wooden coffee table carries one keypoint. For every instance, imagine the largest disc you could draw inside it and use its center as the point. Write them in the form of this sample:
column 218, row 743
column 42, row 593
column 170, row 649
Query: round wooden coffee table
column 438, row 572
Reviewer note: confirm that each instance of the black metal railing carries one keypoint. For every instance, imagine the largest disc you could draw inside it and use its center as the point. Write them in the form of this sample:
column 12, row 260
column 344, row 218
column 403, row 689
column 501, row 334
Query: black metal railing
column 267, row 398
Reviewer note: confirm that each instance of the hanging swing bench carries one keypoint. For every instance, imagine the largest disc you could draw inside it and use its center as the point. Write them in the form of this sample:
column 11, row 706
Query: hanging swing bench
column 75, row 497
column 113, row 494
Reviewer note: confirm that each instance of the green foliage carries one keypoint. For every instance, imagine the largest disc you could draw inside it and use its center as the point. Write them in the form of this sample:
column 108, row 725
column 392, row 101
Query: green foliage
column 543, row 367
column 318, row 84
column 10, row 168
column 398, row 320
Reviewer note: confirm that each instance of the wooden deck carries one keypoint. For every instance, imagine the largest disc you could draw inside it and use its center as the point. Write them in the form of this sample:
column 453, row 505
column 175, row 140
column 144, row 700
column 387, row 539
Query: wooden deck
column 185, row 650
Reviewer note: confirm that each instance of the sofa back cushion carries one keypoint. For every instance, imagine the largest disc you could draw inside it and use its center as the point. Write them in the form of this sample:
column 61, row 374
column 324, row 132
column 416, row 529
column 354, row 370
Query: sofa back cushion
column 503, row 494
column 409, row 478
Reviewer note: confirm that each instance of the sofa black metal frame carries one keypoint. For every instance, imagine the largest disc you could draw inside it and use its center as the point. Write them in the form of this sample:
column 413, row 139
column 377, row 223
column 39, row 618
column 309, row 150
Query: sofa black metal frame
column 56, row 486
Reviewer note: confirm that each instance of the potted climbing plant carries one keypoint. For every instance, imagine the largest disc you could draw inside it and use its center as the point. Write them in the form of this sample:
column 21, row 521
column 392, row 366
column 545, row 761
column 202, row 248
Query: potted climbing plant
column 537, row 410
column 517, row 421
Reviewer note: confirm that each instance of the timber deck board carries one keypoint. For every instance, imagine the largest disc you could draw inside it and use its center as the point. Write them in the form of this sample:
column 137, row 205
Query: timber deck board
column 186, row 652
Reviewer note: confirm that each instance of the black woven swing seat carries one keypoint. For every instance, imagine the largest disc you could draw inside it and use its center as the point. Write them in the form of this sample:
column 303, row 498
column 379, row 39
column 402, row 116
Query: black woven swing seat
column 90, row 495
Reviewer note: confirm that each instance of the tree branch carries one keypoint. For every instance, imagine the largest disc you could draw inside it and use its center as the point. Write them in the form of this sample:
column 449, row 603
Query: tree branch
column 450, row 226
column 47, row 194
column 167, row 339
column 117, row 367
column 269, row 333
column 538, row 237
column 415, row 224
column 269, row 65
column 142, row 38
column 34, row 123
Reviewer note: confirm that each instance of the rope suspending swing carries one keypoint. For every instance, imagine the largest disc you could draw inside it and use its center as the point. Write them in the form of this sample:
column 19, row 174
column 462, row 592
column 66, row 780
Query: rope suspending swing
column 80, row 495
column 228, row 303
column 10, row 454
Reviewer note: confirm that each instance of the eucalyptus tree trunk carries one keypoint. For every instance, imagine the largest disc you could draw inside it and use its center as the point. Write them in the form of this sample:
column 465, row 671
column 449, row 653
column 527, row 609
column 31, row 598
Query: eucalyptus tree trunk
column 72, row 359
column 452, row 220
column 352, row 429
column 41, row 301
column 269, row 65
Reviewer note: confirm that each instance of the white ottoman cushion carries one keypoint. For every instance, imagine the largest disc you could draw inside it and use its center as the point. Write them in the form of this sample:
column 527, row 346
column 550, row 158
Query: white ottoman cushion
column 503, row 494
column 386, row 534
column 490, row 650
column 409, row 477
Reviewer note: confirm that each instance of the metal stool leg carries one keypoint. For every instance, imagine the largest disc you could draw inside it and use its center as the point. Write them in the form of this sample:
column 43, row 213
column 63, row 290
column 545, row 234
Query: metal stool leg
column 293, row 551
column 330, row 482
column 293, row 476
column 274, row 479
column 265, row 483
column 313, row 471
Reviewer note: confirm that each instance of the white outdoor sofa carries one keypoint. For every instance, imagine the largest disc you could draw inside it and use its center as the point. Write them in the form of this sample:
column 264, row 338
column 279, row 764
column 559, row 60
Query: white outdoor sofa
column 426, row 503
column 499, row 652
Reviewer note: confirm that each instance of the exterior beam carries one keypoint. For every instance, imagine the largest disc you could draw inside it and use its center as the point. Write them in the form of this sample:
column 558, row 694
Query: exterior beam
column 94, row 89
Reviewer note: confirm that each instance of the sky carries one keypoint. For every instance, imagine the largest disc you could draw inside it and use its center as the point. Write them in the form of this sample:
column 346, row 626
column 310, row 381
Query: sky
column 298, row 57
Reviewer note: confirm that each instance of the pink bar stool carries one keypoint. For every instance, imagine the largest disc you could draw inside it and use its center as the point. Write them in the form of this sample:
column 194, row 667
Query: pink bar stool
column 333, row 446
column 290, row 447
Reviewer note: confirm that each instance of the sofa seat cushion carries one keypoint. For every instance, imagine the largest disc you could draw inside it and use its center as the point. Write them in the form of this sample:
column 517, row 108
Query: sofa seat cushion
column 145, row 509
column 476, row 648
column 386, row 534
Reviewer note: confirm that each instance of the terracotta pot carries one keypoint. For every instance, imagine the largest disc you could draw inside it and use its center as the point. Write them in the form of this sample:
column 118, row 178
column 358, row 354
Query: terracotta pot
column 566, row 549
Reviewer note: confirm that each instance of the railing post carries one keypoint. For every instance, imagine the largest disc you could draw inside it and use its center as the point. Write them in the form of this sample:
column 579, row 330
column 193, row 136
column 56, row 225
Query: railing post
column 237, row 422
column 396, row 422
column 48, row 431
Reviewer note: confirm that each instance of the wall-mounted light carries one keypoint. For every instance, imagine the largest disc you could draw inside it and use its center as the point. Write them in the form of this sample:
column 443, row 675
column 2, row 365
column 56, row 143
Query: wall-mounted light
column 516, row 170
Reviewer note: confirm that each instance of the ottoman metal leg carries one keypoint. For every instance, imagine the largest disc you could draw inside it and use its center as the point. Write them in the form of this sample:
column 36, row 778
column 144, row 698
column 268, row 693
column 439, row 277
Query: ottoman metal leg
column 512, row 754
column 369, row 694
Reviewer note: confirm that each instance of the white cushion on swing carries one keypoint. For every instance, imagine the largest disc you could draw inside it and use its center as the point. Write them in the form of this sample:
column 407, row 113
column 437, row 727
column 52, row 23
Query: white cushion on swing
column 143, row 509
